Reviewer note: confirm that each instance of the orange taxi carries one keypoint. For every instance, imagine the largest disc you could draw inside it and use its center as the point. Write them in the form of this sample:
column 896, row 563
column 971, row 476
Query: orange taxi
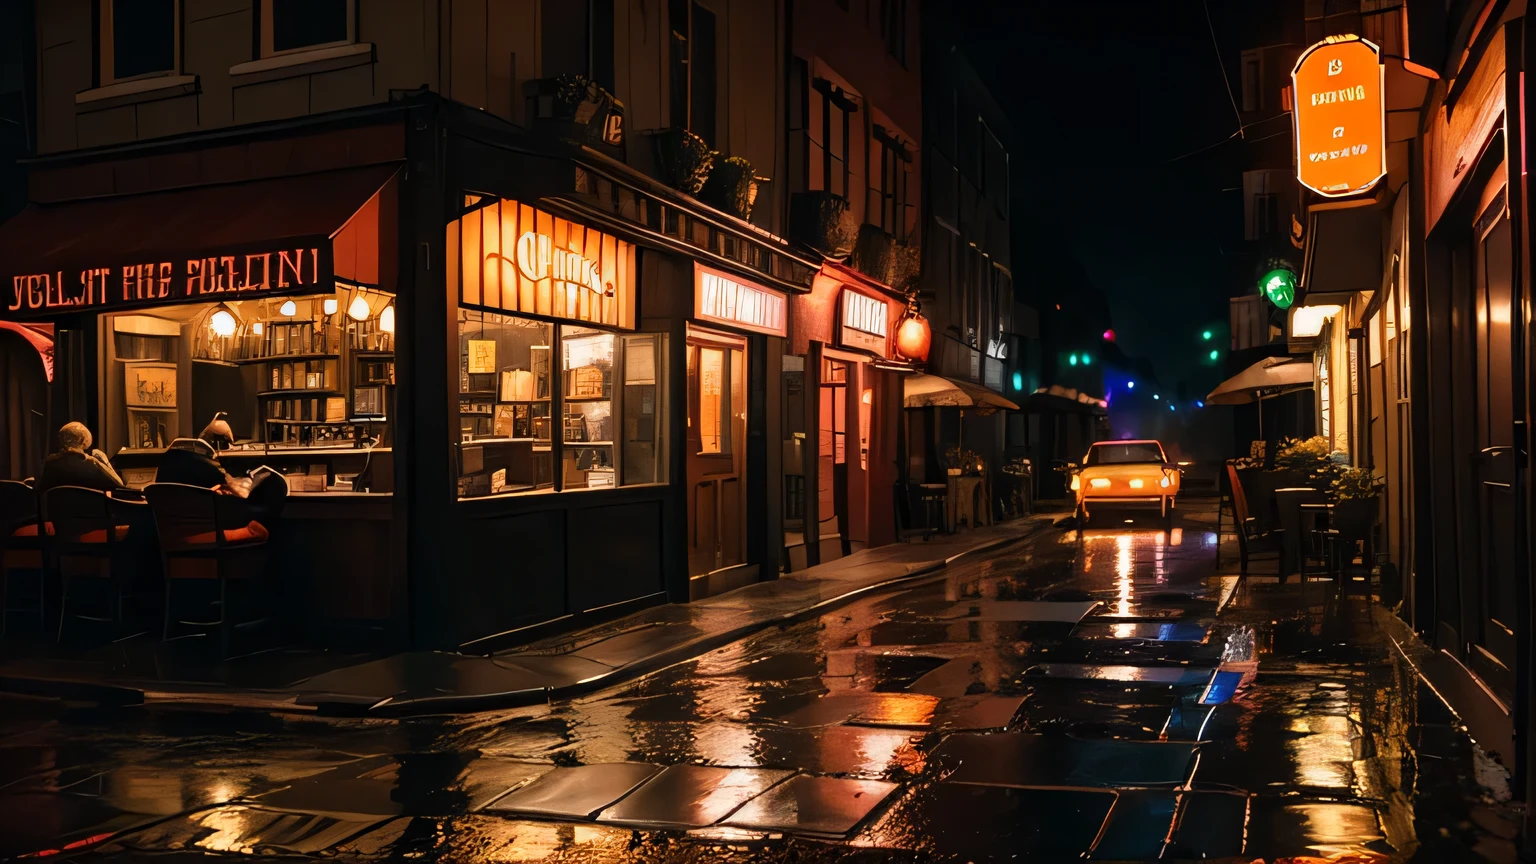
column 1126, row 475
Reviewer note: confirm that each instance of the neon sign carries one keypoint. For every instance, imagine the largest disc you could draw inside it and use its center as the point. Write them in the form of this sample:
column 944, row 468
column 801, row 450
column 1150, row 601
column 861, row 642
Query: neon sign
column 1339, row 116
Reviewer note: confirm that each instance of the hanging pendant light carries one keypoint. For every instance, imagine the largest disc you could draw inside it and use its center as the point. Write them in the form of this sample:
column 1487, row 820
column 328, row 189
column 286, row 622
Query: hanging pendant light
column 329, row 305
column 387, row 319
column 222, row 322
column 358, row 311
column 288, row 309
column 913, row 336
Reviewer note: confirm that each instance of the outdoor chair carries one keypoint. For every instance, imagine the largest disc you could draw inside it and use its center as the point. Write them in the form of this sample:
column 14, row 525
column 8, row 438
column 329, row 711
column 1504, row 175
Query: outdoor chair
column 207, row 537
column 86, row 536
column 21, row 549
column 911, row 500
column 1252, row 541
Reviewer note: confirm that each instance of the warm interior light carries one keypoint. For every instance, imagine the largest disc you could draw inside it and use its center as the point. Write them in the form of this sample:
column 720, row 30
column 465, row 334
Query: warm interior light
column 256, row 328
column 358, row 311
column 288, row 309
column 222, row 322
column 387, row 319
column 330, row 305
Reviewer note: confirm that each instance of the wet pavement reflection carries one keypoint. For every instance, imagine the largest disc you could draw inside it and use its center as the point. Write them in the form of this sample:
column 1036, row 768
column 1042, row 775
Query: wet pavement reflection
column 1043, row 702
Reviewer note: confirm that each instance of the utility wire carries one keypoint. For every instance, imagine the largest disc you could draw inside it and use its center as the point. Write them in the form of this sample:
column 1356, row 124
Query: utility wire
column 1215, row 46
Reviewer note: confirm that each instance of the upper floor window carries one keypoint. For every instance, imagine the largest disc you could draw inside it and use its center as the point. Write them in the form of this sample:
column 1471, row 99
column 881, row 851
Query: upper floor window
column 577, row 39
column 693, row 66
column 893, row 28
column 139, row 39
column 831, row 128
column 302, row 25
column 890, row 201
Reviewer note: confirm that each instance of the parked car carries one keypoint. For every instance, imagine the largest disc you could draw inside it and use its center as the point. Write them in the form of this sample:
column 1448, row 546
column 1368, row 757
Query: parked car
column 1126, row 475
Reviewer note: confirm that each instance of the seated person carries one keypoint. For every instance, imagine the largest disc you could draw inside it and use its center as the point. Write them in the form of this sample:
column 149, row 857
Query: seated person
column 76, row 464
column 195, row 468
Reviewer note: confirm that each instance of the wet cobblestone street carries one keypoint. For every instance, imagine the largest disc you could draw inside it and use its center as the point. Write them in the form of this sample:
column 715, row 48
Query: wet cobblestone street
column 1051, row 700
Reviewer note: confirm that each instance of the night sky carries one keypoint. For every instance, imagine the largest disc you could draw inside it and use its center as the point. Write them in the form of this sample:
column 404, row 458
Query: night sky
column 1105, row 98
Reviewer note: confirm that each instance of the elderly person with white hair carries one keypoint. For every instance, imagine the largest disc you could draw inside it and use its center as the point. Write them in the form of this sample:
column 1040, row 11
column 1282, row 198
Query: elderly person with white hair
column 76, row 464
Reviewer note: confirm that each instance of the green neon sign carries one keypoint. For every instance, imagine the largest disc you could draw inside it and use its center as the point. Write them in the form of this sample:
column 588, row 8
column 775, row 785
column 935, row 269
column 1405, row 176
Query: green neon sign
column 1280, row 287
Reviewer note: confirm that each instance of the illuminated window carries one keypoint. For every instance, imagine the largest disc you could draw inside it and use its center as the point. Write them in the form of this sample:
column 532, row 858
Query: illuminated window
column 303, row 25
column 139, row 39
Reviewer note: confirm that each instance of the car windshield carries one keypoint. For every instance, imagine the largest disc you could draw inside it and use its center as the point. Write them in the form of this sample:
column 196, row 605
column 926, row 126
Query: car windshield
column 1124, row 454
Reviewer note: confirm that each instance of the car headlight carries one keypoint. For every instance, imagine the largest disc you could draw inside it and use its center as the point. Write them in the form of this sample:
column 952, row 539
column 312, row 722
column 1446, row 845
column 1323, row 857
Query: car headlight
column 1136, row 484
column 1099, row 483
column 1077, row 483
column 1166, row 482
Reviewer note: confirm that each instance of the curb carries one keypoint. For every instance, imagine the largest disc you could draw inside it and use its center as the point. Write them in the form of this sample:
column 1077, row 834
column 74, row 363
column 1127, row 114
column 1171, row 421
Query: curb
column 332, row 705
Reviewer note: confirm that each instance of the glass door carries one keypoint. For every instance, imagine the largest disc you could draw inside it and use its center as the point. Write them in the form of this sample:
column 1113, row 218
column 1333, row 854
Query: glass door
column 717, row 433
column 832, row 455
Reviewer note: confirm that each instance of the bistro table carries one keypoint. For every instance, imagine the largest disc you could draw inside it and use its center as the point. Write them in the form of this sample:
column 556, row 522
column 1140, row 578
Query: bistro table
column 1288, row 504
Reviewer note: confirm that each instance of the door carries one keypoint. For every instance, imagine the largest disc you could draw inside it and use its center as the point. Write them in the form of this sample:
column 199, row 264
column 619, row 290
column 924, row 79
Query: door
column 832, row 453
column 1493, row 657
column 717, row 445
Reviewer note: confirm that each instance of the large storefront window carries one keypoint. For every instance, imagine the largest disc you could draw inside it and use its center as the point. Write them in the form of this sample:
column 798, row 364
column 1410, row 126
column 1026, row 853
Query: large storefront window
column 564, row 401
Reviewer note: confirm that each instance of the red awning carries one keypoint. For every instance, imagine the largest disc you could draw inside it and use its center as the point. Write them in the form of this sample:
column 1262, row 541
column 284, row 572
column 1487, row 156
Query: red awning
column 203, row 221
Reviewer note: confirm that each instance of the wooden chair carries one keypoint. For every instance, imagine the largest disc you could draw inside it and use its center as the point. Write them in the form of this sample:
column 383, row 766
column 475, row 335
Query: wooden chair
column 21, row 547
column 205, row 535
column 1252, row 540
column 85, row 535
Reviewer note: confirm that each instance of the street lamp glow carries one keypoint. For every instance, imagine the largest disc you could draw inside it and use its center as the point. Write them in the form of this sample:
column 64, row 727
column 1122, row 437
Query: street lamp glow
column 1087, row 359
column 1173, row 407
column 1155, row 396
column 1199, row 404
column 1072, row 360
column 1206, row 335
column 1215, row 354
column 1130, row 385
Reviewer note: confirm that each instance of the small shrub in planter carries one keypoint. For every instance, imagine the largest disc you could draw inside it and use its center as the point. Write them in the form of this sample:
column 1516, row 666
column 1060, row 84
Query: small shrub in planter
column 824, row 222
column 731, row 187
column 684, row 159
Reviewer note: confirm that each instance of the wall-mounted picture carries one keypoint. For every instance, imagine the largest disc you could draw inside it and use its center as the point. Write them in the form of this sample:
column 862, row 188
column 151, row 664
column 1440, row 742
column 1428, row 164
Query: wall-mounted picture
column 150, row 385
column 482, row 356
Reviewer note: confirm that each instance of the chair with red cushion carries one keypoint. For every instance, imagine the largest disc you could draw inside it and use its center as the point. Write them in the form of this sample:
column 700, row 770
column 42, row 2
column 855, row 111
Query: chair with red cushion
column 21, row 549
column 86, row 534
column 205, row 535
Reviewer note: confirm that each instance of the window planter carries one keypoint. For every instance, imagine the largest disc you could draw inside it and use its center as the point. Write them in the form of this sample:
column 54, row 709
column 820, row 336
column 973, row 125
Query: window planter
column 822, row 221
column 684, row 159
column 731, row 187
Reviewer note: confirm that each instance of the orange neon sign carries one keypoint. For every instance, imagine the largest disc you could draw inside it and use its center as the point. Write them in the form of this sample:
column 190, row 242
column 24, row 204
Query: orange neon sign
column 1340, row 117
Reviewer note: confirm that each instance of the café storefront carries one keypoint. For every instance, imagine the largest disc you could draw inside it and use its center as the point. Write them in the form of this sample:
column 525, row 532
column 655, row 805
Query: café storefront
column 843, row 397
column 487, row 387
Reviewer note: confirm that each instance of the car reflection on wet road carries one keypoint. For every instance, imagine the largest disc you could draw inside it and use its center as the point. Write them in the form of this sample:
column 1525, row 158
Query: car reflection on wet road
column 1043, row 701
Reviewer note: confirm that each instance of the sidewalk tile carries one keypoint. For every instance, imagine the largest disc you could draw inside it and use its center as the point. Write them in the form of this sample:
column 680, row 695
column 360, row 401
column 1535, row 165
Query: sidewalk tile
column 576, row 793
column 637, row 644
column 976, row 713
column 1177, row 676
column 1138, row 826
column 954, row 821
column 858, row 751
column 691, row 796
column 1024, row 759
column 1211, row 825
column 819, row 806
column 863, row 708
column 1286, row 827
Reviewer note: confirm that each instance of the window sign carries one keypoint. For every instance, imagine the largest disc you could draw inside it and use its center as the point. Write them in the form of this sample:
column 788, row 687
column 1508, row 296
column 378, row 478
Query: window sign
column 719, row 297
column 1339, row 115
column 865, row 321
column 516, row 258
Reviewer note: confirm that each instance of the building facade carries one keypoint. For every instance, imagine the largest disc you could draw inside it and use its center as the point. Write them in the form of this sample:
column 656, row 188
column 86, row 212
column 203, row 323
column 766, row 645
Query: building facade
column 570, row 278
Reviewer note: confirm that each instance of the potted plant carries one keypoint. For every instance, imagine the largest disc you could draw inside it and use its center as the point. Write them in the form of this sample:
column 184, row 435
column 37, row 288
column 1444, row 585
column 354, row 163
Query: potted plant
column 731, row 187
column 1354, row 492
column 824, row 222
column 684, row 159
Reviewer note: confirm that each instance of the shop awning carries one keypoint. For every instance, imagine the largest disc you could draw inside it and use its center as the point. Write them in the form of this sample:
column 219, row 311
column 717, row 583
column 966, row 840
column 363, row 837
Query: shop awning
column 1272, row 376
column 1343, row 254
column 308, row 211
column 933, row 391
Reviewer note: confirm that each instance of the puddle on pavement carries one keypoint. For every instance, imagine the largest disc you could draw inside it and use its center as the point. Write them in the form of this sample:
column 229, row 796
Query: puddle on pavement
column 576, row 793
column 691, row 796
column 1026, row 759
column 818, row 806
column 954, row 821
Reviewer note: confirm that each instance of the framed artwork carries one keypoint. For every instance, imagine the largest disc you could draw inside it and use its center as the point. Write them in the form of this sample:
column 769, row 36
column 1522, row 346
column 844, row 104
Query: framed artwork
column 482, row 357
column 149, row 385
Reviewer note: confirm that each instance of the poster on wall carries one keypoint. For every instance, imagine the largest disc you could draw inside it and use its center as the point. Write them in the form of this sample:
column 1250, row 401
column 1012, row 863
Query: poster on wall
column 482, row 356
column 150, row 385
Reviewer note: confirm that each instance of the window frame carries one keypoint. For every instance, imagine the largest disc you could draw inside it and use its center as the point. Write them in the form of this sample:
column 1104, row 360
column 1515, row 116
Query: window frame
column 264, row 32
column 558, row 398
column 893, row 188
column 106, row 56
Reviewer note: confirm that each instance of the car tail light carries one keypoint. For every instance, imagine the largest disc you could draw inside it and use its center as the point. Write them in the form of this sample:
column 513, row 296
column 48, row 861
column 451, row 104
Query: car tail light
column 1099, row 483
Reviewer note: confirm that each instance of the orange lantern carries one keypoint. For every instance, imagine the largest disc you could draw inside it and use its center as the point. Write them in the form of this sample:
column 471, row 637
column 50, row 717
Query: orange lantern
column 913, row 337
